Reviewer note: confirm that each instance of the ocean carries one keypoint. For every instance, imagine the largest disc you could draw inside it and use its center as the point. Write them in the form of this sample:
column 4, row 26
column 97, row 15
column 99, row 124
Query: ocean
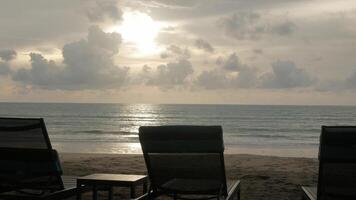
column 248, row 129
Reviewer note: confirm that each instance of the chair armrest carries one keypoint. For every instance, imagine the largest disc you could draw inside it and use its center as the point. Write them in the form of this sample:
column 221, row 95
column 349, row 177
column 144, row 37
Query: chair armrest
column 143, row 197
column 234, row 190
column 65, row 193
column 309, row 193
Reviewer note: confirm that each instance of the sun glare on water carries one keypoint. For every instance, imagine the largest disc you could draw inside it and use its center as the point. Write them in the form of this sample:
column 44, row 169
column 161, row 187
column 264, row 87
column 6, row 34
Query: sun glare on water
column 140, row 30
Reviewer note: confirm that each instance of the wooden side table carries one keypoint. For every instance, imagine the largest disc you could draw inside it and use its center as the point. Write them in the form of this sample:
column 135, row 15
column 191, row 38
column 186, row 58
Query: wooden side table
column 96, row 181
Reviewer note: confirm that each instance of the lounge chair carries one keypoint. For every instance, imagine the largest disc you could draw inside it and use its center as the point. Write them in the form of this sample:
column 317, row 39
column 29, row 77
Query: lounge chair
column 337, row 165
column 186, row 162
column 29, row 167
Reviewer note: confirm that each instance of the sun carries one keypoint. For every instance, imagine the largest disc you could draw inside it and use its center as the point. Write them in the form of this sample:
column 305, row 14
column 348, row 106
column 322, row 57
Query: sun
column 139, row 29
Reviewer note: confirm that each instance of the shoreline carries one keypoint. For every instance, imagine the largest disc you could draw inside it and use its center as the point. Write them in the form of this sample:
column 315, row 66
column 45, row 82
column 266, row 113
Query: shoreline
column 262, row 177
column 73, row 155
column 135, row 148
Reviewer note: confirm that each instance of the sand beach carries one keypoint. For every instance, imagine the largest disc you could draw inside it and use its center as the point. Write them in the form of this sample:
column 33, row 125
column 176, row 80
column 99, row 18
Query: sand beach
column 263, row 177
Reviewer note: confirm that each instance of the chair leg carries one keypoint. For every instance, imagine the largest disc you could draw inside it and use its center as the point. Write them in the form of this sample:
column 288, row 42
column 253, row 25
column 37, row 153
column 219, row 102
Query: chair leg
column 95, row 193
column 303, row 197
column 149, row 196
column 150, row 192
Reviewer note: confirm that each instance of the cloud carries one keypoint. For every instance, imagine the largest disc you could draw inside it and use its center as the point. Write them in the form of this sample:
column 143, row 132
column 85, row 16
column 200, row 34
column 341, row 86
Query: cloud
column 87, row 64
column 212, row 79
column 104, row 9
column 218, row 79
column 182, row 9
column 41, row 22
column 8, row 54
column 52, row 23
column 4, row 68
column 176, row 52
column 285, row 74
column 204, row 45
column 348, row 83
column 233, row 74
column 258, row 51
column 242, row 25
column 284, row 28
column 171, row 74
column 246, row 78
column 231, row 63
column 253, row 25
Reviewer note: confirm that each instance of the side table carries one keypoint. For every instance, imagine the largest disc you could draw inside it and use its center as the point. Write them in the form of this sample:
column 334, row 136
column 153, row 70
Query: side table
column 96, row 181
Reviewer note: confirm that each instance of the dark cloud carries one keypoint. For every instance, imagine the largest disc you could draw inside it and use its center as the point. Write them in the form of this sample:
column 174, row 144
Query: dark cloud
column 230, row 63
column 284, row 28
column 87, row 64
column 243, row 25
column 7, row 54
column 171, row 74
column 204, row 45
column 233, row 74
column 258, row 51
column 285, row 74
column 254, row 25
column 218, row 79
column 246, row 78
column 176, row 52
column 100, row 10
column 212, row 79
column 4, row 68
column 348, row 83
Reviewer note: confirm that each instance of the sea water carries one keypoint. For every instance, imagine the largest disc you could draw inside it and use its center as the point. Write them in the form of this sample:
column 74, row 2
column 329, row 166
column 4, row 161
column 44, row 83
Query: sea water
column 248, row 129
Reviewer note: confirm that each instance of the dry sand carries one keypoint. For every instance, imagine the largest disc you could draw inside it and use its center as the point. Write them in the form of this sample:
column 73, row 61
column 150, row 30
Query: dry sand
column 263, row 177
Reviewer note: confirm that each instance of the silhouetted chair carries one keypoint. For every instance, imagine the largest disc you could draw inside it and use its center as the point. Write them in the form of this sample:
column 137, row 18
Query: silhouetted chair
column 337, row 165
column 29, row 167
column 186, row 162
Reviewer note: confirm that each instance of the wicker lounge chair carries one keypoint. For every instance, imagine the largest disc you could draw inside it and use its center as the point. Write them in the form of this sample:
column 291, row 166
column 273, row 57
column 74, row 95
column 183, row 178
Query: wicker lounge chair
column 186, row 162
column 29, row 167
column 337, row 165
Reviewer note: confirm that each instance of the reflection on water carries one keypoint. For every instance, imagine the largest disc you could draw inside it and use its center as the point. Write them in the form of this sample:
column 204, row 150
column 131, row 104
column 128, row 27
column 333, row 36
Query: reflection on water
column 97, row 147
column 139, row 115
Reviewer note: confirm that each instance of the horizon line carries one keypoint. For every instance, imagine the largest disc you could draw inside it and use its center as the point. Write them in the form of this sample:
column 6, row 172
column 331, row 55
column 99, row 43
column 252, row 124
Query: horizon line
column 136, row 103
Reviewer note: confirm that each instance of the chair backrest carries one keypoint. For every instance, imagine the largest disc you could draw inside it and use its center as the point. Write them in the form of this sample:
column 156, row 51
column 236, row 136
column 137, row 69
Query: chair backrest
column 27, row 160
column 337, row 158
column 184, row 153
column 24, row 133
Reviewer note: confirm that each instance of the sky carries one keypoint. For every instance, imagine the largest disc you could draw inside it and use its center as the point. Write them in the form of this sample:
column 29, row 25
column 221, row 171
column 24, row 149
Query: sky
column 294, row 52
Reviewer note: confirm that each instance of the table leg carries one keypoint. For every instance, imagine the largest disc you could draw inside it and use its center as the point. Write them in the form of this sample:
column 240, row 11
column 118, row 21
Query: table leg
column 111, row 193
column 79, row 190
column 95, row 193
column 133, row 188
